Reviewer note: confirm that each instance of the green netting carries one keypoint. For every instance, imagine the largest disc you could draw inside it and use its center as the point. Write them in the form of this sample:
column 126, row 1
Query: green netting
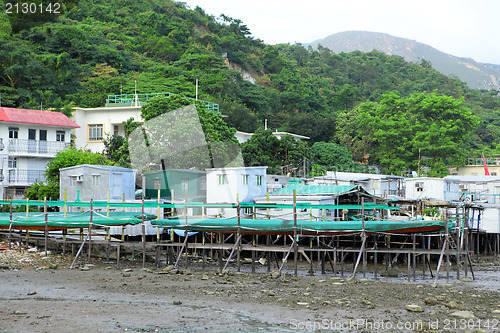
column 286, row 226
column 36, row 220
column 314, row 189
column 299, row 205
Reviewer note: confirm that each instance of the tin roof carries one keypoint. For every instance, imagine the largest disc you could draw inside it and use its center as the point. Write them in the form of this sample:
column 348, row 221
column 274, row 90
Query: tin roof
column 38, row 117
column 319, row 190
column 98, row 166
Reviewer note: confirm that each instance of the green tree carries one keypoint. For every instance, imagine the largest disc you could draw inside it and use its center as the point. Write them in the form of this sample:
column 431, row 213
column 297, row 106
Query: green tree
column 335, row 157
column 116, row 146
column 41, row 190
column 280, row 155
column 71, row 157
column 63, row 159
column 425, row 129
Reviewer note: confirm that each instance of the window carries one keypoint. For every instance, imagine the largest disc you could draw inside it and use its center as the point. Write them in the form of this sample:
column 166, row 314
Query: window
column 115, row 130
column 245, row 179
column 12, row 162
column 60, row 136
column 419, row 186
column 184, row 183
column 259, row 180
column 95, row 132
column 95, row 180
column 13, row 132
column 222, row 179
column 73, row 180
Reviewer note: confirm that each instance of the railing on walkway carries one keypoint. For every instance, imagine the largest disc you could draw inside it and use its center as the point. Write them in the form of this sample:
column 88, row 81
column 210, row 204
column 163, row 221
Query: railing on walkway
column 23, row 176
column 142, row 98
column 36, row 146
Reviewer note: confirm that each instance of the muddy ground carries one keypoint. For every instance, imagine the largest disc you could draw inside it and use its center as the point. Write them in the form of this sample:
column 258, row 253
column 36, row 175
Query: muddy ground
column 40, row 293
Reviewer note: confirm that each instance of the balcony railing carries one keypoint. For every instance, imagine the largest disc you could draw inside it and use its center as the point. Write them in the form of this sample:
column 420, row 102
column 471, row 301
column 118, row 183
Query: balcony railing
column 36, row 146
column 23, row 176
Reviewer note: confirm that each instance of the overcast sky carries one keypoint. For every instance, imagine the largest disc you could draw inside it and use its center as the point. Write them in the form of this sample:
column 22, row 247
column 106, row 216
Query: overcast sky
column 463, row 28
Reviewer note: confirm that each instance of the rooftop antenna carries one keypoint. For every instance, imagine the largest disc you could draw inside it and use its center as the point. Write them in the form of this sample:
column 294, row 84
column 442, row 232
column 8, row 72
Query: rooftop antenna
column 41, row 106
column 196, row 89
column 136, row 98
column 265, row 125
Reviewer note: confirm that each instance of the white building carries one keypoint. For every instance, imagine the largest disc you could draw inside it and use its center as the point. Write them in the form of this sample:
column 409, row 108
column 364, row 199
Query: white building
column 431, row 188
column 228, row 185
column 316, row 195
column 28, row 140
column 243, row 137
column 275, row 182
column 97, row 123
column 376, row 184
column 98, row 182
column 476, row 188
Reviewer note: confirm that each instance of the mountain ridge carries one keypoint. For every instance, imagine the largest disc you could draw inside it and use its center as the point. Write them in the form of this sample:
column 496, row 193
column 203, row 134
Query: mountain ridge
column 476, row 74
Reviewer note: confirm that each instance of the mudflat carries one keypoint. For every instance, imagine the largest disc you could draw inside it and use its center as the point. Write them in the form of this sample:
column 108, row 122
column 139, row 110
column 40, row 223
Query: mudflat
column 46, row 296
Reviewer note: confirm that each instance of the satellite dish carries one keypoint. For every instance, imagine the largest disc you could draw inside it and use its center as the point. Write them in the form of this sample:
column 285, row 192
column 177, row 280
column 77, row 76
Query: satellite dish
column 414, row 174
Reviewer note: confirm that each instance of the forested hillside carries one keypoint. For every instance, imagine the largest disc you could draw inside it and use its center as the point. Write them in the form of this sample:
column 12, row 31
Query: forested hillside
column 97, row 48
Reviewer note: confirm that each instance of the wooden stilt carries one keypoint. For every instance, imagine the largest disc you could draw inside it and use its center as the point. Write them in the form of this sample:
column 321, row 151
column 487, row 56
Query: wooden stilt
column 441, row 259
column 182, row 250
column 90, row 226
column 79, row 251
column 342, row 262
column 409, row 265
column 414, row 257
column 204, row 259
column 335, row 261
column 253, row 261
column 375, row 259
column 363, row 244
column 143, row 235
column 118, row 248
column 235, row 247
column 447, row 244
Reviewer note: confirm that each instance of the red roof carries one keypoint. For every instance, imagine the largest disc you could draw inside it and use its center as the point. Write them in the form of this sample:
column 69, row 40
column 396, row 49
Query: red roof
column 38, row 117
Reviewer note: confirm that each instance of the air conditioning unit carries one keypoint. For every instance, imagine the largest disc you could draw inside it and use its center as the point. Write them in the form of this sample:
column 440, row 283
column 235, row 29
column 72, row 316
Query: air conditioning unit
column 79, row 178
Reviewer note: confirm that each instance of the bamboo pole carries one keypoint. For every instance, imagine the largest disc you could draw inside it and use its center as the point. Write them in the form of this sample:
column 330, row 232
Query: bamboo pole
column 186, row 232
column 238, row 258
column 447, row 253
column 90, row 226
column 363, row 234
column 143, row 235
column 107, row 206
column 46, row 234
column 10, row 227
column 295, row 247
column 414, row 255
column 65, row 209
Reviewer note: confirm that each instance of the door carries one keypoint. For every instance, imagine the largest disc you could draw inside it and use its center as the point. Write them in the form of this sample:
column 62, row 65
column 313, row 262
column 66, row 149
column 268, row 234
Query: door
column 31, row 140
column 117, row 185
column 43, row 141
